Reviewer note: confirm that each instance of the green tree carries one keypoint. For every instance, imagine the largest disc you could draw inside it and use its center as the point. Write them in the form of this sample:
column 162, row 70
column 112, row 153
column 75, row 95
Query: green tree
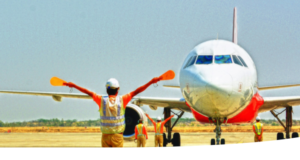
column 1, row 124
column 89, row 123
column 62, row 123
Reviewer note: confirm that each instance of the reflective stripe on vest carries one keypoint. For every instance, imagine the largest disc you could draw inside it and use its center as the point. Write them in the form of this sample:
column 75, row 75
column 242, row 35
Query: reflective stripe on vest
column 113, row 118
column 258, row 127
column 140, row 129
column 158, row 128
column 113, row 122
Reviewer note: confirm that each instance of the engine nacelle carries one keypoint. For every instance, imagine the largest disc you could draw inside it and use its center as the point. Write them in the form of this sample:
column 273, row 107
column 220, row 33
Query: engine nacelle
column 132, row 114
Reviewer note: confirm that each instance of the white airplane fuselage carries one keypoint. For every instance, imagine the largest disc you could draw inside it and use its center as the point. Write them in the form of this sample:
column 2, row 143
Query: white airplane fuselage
column 218, row 79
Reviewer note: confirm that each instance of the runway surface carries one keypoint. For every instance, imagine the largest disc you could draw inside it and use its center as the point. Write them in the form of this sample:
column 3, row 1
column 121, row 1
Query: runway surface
column 94, row 139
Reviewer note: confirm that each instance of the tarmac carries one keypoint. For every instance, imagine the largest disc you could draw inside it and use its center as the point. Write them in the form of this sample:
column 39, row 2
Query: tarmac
column 94, row 139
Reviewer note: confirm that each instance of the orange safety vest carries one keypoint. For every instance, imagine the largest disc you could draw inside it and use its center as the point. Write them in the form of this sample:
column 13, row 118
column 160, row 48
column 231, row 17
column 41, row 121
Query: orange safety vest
column 140, row 129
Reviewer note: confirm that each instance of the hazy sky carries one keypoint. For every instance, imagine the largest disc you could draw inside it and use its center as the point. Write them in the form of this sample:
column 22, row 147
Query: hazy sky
column 88, row 42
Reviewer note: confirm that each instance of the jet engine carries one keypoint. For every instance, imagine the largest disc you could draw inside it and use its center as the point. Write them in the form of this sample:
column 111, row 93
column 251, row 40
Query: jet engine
column 132, row 114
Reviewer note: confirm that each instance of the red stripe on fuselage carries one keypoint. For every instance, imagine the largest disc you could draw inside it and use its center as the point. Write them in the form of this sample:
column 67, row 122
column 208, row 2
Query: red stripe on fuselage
column 199, row 117
column 250, row 112
column 245, row 116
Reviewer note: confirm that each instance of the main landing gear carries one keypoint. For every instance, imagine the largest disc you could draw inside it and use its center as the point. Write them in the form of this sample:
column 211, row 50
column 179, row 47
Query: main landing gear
column 176, row 136
column 217, row 122
column 288, row 124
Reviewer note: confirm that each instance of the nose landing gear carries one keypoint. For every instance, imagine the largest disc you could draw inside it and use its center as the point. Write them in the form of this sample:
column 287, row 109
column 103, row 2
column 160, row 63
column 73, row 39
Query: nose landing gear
column 217, row 122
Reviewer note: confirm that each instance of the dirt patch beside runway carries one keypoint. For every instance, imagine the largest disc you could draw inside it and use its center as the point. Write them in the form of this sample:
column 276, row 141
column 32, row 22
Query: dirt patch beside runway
column 94, row 139
column 50, row 129
column 149, row 128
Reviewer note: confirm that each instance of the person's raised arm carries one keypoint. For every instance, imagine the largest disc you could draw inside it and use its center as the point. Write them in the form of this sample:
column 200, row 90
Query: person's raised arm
column 83, row 90
column 150, row 119
column 144, row 87
column 167, row 120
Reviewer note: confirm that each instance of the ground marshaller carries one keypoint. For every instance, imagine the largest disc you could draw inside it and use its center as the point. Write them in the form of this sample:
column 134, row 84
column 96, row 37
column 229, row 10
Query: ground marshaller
column 158, row 128
column 141, row 134
column 112, row 110
column 258, row 130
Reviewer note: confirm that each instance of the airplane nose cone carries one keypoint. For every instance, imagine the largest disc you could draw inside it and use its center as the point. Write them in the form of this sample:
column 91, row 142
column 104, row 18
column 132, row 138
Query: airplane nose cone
column 219, row 83
column 210, row 93
column 219, row 88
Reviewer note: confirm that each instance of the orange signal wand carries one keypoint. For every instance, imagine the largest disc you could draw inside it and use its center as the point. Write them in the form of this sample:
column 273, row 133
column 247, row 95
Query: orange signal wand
column 169, row 75
column 55, row 81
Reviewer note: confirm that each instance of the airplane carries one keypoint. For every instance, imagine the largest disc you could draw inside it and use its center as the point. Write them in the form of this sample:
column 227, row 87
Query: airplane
column 218, row 82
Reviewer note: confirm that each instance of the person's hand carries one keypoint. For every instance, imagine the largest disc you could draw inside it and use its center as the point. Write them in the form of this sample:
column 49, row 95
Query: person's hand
column 135, row 141
column 69, row 84
column 156, row 79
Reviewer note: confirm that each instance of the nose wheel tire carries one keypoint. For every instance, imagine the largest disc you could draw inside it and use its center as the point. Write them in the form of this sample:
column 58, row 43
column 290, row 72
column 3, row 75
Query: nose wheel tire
column 212, row 141
column 295, row 135
column 222, row 141
column 280, row 136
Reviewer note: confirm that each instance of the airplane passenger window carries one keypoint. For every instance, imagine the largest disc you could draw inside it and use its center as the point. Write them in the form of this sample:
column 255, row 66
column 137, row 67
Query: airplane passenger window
column 242, row 61
column 236, row 60
column 204, row 59
column 219, row 59
column 190, row 62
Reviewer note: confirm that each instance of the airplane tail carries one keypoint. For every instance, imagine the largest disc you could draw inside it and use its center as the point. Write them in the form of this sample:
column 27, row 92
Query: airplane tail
column 234, row 34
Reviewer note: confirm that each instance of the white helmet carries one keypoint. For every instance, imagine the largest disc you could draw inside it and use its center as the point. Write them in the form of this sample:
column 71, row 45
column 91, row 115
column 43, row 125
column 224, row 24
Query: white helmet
column 258, row 118
column 112, row 83
column 158, row 118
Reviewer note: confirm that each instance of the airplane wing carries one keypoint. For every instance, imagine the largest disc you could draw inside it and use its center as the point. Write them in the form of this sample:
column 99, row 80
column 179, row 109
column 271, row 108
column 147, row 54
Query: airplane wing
column 55, row 96
column 271, row 103
column 171, row 86
column 173, row 103
column 277, row 87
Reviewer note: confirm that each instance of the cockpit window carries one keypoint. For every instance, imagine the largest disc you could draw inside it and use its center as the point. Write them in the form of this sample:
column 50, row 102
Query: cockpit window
column 219, row 59
column 204, row 59
column 242, row 61
column 190, row 62
column 236, row 60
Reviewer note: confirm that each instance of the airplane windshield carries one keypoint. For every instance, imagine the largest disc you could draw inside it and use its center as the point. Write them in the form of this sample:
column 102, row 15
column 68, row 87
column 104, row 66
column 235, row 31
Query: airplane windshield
column 242, row 61
column 204, row 59
column 219, row 59
column 190, row 62
column 236, row 60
